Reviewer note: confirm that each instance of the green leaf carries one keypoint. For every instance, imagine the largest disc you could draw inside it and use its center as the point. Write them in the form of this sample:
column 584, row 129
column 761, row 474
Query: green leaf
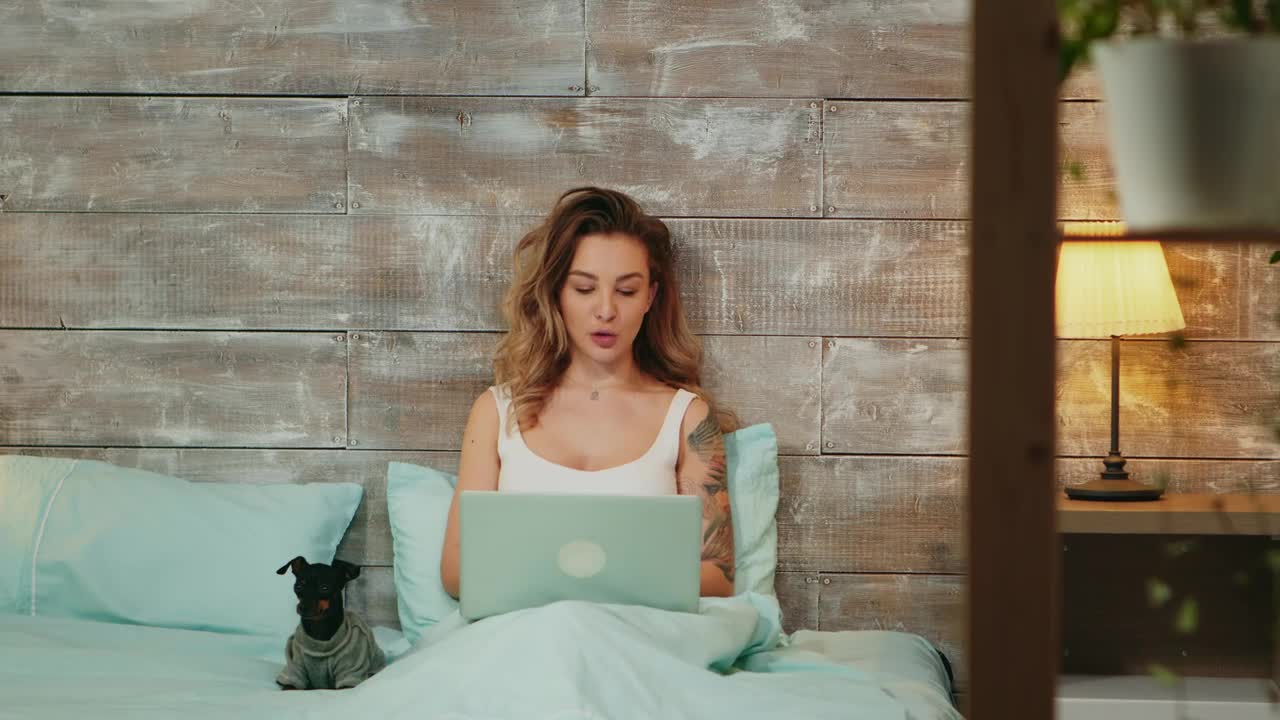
column 1273, row 15
column 1179, row 548
column 1188, row 617
column 1273, row 560
column 1275, row 256
column 1241, row 15
column 1163, row 675
column 1158, row 592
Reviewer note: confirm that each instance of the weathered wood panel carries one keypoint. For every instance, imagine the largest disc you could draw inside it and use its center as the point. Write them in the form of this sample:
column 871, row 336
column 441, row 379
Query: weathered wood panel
column 823, row 48
column 255, row 271
column 166, row 388
column 300, row 272
column 871, row 514
column 1110, row 627
column 368, row 539
column 931, row 606
column 1210, row 400
column 113, row 154
column 823, row 277
column 493, row 156
column 911, row 160
column 320, row 47
column 895, row 396
column 798, row 596
column 373, row 595
column 414, row 390
column 1261, row 299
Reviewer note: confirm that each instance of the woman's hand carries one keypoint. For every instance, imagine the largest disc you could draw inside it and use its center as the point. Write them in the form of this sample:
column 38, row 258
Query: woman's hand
column 702, row 471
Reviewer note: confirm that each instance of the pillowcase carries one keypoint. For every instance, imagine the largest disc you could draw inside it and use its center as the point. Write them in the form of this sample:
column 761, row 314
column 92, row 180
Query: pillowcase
column 91, row 540
column 418, row 501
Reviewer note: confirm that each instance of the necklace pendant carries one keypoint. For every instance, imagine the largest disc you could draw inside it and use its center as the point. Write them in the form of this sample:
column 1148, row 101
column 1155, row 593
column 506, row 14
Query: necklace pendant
column 595, row 394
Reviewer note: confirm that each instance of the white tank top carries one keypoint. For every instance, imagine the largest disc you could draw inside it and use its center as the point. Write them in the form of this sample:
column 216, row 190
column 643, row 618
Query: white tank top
column 653, row 473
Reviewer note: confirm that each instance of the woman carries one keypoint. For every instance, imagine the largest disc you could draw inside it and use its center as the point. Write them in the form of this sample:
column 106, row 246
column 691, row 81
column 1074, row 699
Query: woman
column 598, row 379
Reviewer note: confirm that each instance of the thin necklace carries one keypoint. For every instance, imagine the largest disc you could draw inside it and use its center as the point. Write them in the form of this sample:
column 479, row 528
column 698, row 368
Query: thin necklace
column 595, row 394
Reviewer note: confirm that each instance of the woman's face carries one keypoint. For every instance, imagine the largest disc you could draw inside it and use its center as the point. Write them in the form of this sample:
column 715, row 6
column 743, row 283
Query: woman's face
column 605, row 295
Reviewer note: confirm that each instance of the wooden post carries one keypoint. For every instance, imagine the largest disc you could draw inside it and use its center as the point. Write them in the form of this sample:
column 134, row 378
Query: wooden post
column 1013, row 596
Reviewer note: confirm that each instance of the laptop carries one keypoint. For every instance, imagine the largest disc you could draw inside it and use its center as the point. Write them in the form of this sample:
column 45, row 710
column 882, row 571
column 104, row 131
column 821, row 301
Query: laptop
column 522, row 550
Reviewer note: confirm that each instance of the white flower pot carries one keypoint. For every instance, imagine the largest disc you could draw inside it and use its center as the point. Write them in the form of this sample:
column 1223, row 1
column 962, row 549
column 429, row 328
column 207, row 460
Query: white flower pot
column 1194, row 131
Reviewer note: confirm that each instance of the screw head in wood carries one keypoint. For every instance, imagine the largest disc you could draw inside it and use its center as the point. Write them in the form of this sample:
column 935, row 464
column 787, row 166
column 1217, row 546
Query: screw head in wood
column 355, row 102
column 338, row 205
column 813, row 104
column 826, row 581
column 831, row 208
column 355, row 204
column 813, row 343
column 831, row 108
column 831, row 344
column 339, row 338
column 830, row 444
column 813, row 208
column 352, row 443
column 355, row 336
column 575, row 88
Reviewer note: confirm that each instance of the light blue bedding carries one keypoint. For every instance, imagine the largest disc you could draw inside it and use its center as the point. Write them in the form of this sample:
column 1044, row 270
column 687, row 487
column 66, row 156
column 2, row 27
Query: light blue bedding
column 566, row 661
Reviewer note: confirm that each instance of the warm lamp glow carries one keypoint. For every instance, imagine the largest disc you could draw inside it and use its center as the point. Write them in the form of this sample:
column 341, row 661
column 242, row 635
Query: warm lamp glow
column 1107, row 288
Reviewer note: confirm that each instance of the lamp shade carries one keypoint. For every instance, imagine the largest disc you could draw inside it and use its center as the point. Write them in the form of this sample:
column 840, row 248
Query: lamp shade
column 1107, row 288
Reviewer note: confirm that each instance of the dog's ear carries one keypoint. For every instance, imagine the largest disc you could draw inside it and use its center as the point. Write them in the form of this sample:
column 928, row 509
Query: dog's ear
column 298, row 564
column 346, row 570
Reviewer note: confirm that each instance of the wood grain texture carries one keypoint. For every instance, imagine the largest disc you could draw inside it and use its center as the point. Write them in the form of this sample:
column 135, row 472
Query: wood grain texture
column 320, row 47
column 871, row 514
column 1212, row 399
column 823, row 277
column 895, row 396
column 1260, row 309
column 500, row 156
column 414, row 390
column 368, row 539
column 798, row 596
column 1110, row 626
column 911, row 160
column 373, row 596
column 823, row 48
column 931, row 606
column 170, row 388
column 114, row 154
column 1174, row 514
column 1013, row 587
column 868, row 278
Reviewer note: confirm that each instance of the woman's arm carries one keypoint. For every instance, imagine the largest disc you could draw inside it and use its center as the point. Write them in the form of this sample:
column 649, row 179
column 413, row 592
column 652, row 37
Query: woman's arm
column 477, row 470
column 701, row 471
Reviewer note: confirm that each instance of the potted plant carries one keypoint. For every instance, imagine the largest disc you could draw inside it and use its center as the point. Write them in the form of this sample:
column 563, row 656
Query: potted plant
column 1192, row 91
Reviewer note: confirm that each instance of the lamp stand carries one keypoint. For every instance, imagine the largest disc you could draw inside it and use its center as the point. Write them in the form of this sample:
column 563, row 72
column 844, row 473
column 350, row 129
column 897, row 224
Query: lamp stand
column 1114, row 483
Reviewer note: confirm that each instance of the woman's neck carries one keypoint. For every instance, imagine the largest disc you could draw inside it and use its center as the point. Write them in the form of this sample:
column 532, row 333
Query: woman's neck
column 585, row 373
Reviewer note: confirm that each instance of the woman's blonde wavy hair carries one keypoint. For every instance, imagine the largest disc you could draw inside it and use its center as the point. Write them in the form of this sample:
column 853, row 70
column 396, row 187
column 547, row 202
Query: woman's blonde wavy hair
column 533, row 356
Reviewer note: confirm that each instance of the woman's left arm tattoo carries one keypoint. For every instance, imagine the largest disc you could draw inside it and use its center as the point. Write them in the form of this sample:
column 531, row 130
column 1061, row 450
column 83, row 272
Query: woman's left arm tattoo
column 713, row 487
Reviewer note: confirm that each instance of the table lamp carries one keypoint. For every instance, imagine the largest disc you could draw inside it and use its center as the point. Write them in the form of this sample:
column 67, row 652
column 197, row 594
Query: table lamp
column 1109, row 289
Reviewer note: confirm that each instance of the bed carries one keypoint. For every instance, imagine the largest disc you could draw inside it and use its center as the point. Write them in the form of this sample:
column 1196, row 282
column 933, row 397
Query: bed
column 102, row 623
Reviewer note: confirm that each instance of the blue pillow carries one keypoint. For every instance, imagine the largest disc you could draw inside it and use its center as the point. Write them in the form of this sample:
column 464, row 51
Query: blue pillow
column 418, row 501
column 91, row 540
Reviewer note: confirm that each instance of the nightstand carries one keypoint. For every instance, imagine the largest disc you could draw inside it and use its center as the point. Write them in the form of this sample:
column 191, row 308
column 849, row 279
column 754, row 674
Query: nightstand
column 1112, row 584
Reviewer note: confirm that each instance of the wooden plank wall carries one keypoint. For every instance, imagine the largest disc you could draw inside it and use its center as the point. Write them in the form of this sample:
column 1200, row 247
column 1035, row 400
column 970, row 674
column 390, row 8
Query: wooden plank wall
column 267, row 243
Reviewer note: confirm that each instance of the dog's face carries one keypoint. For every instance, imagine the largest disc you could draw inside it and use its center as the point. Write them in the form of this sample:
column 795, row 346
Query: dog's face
column 319, row 586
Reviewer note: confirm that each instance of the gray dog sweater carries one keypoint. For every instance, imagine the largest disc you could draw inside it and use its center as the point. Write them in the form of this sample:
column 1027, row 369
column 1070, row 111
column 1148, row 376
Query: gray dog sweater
column 343, row 661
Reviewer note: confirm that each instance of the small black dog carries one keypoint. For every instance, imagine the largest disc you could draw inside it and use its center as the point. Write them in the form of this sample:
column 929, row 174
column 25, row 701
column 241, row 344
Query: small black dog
column 332, row 648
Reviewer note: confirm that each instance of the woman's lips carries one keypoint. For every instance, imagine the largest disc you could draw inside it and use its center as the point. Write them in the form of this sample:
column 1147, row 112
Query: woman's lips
column 604, row 340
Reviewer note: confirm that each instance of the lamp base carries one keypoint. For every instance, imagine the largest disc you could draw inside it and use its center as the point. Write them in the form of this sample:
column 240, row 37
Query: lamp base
column 1113, row 490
